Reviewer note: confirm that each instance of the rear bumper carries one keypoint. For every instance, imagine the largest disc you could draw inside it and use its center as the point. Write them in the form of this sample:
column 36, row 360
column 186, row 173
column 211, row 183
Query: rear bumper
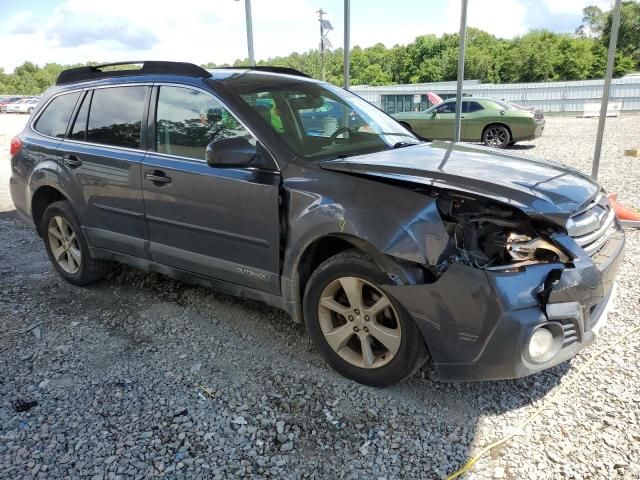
column 531, row 134
column 477, row 323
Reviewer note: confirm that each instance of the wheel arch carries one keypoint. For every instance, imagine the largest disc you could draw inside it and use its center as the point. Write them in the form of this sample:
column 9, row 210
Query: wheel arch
column 40, row 200
column 325, row 246
column 500, row 124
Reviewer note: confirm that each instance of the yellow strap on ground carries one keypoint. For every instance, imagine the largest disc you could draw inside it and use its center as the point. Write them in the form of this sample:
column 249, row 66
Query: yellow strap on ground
column 467, row 466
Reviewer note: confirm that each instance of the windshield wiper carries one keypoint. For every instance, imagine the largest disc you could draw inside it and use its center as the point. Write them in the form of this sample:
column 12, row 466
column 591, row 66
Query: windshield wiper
column 405, row 144
column 396, row 134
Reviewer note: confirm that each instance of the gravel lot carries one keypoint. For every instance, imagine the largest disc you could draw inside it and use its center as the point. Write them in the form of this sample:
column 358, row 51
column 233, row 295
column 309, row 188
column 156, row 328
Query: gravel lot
column 143, row 376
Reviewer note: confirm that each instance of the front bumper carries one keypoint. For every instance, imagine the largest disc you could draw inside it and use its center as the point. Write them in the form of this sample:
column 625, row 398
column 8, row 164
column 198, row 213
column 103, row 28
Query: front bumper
column 477, row 323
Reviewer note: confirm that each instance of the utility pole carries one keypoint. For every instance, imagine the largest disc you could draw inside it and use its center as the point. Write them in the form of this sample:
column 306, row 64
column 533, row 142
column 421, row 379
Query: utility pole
column 613, row 39
column 325, row 26
column 463, row 34
column 347, row 35
column 247, row 11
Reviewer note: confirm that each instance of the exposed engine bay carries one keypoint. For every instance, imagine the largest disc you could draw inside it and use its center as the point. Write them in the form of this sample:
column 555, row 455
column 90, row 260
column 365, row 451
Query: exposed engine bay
column 485, row 234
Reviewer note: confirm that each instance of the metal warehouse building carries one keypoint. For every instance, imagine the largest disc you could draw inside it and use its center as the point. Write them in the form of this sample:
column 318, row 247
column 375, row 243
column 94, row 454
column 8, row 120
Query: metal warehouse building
column 550, row 96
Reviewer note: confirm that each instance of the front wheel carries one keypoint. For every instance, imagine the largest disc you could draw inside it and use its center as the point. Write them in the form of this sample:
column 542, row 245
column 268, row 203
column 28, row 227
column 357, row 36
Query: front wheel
column 361, row 331
column 497, row 136
column 67, row 248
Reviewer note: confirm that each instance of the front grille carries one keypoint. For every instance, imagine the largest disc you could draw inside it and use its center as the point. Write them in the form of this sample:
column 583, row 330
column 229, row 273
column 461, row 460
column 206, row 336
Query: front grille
column 592, row 226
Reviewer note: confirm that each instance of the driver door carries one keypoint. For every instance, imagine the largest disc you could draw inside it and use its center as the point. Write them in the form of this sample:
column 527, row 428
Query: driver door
column 216, row 222
column 442, row 122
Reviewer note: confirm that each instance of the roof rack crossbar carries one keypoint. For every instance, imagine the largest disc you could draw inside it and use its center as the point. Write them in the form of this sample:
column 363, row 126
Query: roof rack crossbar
column 267, row 68
column 94, row 72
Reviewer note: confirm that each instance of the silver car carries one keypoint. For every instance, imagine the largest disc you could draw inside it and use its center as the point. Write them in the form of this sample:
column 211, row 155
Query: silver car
column 26, row 105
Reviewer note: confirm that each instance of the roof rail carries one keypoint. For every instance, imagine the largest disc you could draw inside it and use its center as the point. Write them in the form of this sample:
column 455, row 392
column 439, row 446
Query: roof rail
column 94, row 72
column 267, row 68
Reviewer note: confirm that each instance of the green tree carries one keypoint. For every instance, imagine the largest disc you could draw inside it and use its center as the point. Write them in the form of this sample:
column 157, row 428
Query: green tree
column 628, row 35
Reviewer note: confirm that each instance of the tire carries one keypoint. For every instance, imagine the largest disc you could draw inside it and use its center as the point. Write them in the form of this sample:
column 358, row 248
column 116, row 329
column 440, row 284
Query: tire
column 497, row 136
column 61, row 230
column 382, row 365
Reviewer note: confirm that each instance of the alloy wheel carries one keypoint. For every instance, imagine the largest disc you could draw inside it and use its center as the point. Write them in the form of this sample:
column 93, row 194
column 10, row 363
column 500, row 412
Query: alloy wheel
column 359, row 322
column 64, row 244
column 496, row 136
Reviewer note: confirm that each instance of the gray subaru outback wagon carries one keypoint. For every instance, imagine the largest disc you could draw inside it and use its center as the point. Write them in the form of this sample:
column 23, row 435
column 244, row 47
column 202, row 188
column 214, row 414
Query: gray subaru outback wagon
column 264, row 183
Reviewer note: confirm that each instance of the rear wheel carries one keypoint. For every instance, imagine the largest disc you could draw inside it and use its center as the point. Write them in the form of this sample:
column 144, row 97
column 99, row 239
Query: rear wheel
column 67, row 248
column 360, row 330
column 497, row 136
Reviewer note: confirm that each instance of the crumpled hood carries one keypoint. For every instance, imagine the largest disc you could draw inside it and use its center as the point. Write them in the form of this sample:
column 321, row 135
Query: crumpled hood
column 537, row 187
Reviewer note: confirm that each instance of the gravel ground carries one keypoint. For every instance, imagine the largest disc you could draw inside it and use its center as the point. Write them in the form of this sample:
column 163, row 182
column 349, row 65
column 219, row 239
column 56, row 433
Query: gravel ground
column 142, row 376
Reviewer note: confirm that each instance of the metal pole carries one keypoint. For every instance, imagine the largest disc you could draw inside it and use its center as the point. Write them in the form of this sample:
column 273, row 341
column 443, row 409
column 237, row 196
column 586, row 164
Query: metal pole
column 347, row 32
column 247, row 10
column 606, row 88
column 463, row 33
column 320, row 13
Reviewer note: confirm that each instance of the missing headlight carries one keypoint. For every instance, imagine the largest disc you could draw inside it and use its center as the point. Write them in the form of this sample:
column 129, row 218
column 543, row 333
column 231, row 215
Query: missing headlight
column 523, row 248
column 484, row 234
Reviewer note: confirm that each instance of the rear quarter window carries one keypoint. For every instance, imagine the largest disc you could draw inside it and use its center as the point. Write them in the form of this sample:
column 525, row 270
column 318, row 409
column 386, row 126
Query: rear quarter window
column 55, row 118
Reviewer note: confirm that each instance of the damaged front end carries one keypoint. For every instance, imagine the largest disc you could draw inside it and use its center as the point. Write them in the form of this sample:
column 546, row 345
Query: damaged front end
column 484, row 234
column 511, row 294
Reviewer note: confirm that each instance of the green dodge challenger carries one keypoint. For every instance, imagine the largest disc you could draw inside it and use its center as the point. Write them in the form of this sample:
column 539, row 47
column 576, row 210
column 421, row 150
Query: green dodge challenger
column 493, row 122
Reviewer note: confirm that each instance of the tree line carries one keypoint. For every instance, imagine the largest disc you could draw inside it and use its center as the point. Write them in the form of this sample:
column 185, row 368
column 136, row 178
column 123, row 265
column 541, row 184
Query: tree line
column 537, row 56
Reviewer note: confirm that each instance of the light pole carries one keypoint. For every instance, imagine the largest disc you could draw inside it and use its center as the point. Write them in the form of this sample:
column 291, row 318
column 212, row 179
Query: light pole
column 247, row 11
column 463, row 33
column 347, row 31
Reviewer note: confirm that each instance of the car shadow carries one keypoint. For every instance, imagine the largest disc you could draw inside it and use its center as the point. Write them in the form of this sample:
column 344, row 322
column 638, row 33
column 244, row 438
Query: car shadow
column 9, row 215
column 520, row 147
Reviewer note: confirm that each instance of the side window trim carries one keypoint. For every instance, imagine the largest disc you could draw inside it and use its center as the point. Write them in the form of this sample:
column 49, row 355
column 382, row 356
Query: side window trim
column 86, row 94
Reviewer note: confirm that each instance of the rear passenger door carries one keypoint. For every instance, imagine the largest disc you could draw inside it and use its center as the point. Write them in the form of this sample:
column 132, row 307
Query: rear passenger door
column 100, row 165
column 218, row 222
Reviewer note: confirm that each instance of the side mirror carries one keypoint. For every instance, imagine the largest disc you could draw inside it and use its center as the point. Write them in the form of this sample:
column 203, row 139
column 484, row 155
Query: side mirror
column 230, row 152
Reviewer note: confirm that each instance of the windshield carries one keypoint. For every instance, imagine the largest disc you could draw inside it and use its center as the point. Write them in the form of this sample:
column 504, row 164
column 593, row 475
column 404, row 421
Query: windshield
column 321, row 121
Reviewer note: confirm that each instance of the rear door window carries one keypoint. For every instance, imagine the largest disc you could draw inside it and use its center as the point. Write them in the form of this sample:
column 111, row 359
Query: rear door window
column 55, row 118
column 115, row 116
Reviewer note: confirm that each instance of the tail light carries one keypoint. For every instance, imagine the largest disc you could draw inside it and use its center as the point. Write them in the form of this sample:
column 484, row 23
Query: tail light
column 16, row 145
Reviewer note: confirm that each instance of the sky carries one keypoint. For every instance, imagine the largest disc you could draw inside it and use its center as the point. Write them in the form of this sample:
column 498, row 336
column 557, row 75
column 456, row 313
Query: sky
column 201, row 31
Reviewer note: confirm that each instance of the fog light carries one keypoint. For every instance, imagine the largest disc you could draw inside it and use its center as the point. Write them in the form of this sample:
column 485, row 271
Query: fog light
column 540, row 344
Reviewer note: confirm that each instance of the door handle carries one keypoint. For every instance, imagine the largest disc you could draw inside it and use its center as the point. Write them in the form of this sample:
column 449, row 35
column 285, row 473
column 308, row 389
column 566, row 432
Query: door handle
column 72, row 161
column 158, row 178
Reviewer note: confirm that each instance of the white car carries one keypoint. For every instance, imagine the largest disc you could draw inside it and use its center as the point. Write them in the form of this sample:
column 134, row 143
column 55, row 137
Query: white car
column 23, row 106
